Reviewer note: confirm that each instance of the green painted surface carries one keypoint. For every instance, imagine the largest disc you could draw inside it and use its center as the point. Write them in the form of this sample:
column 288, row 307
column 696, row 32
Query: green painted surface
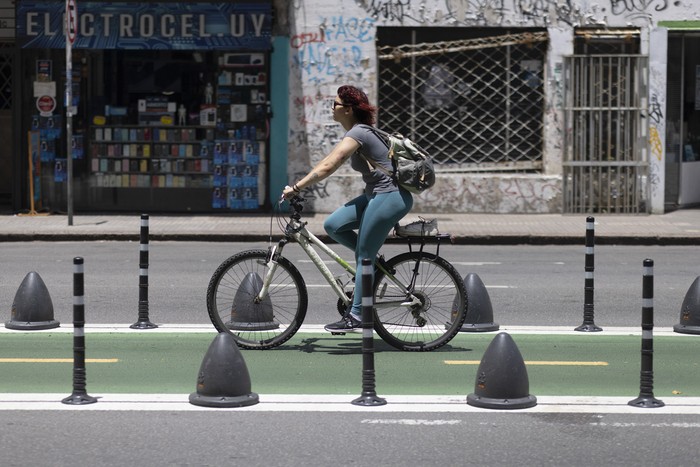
column 324, row 364
column 685, row 25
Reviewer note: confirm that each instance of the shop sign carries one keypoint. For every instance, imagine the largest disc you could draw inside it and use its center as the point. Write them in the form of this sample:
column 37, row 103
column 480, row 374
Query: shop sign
column 144, row 26
column 46, row 105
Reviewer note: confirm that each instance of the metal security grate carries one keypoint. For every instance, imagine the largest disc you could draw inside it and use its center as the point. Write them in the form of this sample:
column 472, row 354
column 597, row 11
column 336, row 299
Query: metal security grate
column 477, row 103
column 605, row 158
column 6, row 56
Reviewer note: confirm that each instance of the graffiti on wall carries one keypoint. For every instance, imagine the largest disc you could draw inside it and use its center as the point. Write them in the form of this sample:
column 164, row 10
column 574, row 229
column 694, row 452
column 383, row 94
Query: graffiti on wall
column 334, row 49
column 393, row 10
column 515, row 12
column 488, row 194
column 655, row 114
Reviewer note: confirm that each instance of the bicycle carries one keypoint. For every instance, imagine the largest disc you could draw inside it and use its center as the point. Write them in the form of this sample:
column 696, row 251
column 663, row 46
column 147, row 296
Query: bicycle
column 261, row 298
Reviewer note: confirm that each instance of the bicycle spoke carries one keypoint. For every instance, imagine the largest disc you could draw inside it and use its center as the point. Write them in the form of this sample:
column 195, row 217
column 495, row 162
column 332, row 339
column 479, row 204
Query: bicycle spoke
column 440, row 292
column 233, row 305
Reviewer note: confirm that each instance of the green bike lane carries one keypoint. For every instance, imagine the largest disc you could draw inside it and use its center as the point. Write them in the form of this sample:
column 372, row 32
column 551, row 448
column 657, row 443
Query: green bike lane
column 145, row 362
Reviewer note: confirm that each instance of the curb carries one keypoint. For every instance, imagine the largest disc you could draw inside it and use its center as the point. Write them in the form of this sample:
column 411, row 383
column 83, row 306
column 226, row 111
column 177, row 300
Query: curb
column 254, row 237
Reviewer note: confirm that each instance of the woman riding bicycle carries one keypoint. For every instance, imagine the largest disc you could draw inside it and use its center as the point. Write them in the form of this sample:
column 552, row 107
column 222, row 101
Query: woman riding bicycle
column 375, row 212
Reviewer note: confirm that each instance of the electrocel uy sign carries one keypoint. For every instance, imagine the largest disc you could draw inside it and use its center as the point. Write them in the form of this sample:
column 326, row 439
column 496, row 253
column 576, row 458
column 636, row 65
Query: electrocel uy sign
column 127, row 25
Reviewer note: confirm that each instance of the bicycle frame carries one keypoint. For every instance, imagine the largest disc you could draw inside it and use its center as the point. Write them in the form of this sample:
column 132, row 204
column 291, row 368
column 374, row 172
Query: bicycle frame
column 297, row 231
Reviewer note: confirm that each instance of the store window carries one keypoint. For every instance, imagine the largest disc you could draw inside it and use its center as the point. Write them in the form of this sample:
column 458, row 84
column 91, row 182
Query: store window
column 475, row 96
column 171, row 101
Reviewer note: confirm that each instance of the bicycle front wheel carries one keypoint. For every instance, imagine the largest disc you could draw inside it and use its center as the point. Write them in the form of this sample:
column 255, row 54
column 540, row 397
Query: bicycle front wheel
column 441, row 310
column 234, row 306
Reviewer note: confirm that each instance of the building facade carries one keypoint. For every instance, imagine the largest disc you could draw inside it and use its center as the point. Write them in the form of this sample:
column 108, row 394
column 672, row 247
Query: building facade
column 528, row 106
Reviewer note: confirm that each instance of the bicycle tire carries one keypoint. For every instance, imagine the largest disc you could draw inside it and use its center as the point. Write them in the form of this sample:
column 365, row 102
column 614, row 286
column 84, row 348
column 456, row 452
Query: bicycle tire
column 443, row 306
column 262, row 325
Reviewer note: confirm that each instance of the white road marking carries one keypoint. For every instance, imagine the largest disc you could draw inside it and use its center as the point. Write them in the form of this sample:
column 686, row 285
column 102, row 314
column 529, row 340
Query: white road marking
column 650, row 425
column 409, row 421
column 318, row 328
column 342, row 403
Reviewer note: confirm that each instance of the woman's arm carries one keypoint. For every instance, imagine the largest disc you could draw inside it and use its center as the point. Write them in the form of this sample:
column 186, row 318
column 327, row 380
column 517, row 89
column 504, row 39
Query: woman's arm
column 326, row 167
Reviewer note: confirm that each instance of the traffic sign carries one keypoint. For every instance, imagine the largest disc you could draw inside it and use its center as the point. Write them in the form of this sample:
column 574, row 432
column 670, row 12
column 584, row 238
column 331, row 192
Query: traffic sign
column 71, row 20
column 46, row 105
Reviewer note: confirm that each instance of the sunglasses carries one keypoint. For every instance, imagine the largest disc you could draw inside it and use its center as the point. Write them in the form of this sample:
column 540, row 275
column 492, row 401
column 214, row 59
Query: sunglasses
column 339, row 104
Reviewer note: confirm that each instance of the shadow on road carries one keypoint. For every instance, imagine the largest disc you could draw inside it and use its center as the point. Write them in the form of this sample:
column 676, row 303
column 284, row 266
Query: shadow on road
column 334, row 346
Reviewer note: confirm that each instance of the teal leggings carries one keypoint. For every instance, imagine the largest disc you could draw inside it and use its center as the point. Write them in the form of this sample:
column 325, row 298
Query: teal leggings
column 373, row 217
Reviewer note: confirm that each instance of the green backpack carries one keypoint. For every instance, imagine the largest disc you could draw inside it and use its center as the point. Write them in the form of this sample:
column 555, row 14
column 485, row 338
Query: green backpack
column 413, row 166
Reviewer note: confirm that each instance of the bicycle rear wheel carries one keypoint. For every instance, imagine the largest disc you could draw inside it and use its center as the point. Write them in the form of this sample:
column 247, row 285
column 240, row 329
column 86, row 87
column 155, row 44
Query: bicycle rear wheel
column 232, row 305
column 442, row 309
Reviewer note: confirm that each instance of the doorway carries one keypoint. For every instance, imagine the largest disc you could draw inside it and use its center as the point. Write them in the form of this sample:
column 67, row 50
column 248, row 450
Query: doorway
column 683, row 122
column 6, row 125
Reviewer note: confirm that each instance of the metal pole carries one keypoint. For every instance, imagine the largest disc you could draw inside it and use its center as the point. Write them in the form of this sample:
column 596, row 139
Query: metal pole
column 143, row 321
column 369, row 395
column 79, row 395
column 588, row 289
column 646, row 397
column 69, row 110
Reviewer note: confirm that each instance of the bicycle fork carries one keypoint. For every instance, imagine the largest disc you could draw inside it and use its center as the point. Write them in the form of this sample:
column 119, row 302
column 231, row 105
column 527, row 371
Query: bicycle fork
column 273, row 255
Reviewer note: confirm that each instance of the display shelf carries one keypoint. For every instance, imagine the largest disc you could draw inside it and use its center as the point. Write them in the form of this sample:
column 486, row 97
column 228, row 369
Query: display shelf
column 128, row 150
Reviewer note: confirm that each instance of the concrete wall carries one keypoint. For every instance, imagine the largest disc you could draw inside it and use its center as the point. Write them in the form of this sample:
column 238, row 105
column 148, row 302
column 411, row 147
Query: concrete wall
column 333, row 43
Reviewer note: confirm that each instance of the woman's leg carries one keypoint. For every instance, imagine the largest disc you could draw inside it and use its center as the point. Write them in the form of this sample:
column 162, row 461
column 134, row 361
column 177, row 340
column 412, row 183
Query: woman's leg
column 342, row 223
column 383, row 212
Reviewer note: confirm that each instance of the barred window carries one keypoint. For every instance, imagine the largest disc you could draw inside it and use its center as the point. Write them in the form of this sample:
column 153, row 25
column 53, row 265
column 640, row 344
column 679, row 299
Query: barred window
column 474, row 97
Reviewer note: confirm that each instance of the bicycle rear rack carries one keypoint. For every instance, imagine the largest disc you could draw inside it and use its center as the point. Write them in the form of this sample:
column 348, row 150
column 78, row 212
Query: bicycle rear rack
column 437, row 240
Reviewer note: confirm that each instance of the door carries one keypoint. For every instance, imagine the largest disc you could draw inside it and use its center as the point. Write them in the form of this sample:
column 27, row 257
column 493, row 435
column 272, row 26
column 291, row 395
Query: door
column 6, row 126
column 683, row 122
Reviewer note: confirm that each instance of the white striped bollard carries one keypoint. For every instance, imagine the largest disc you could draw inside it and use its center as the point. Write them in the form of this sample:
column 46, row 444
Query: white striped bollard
column 79, row 395
column 143, row 320
column 588, row 287
column 646, row 397
column 369, row 395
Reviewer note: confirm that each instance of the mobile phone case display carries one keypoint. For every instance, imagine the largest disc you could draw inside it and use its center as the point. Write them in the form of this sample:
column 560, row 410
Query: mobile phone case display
column 156, row 157
column 241, row 119
column 236, row 174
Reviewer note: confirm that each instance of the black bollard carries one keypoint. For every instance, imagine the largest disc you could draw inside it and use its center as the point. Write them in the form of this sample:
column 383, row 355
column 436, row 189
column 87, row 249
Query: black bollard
column 588, row 323
column 143, row 321
column 79, row 395
column 369, row 395
column 646, row 397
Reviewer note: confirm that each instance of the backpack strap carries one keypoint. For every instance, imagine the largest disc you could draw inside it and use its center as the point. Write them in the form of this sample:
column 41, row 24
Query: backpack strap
column 384, row 137
column 381, row 134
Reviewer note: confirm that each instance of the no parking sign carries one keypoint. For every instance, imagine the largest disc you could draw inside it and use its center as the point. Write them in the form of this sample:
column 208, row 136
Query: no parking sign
column 71, row 20
column 46, row 105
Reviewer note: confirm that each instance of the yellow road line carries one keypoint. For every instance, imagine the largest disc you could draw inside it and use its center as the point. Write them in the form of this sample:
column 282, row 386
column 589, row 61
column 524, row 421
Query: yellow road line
column 56, row 360
column 534, row 362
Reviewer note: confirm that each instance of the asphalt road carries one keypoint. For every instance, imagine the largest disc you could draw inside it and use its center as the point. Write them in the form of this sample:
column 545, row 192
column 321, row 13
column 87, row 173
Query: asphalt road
column 527, row 285
column 345, row 439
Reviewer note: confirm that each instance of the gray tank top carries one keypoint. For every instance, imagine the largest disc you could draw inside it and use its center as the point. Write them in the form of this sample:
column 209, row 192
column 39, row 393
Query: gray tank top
column 372, row 147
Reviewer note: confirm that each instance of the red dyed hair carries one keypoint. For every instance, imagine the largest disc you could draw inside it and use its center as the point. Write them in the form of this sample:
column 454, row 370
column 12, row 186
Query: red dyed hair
column 361, row 108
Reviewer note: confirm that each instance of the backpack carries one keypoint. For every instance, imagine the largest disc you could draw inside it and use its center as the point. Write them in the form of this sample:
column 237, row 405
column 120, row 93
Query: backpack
column 413, row 166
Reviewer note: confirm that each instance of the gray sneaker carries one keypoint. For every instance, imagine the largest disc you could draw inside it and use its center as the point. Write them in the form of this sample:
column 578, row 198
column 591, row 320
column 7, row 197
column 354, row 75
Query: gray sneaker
column 347, row 324
column 419, row 228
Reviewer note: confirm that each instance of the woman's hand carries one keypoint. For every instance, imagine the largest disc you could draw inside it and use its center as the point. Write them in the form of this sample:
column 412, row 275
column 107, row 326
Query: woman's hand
column 289, row 192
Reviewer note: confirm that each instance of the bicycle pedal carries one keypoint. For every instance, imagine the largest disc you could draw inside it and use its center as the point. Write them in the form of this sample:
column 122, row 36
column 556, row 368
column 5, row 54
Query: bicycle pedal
column 337, row 333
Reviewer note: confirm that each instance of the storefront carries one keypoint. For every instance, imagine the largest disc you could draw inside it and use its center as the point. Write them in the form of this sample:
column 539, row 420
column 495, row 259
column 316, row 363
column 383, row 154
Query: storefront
column 683, row 115
column 170, row 105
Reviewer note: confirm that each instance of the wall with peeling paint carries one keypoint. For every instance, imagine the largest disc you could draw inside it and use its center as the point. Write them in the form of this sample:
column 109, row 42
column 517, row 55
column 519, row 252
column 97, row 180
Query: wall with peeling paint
column 333, row 43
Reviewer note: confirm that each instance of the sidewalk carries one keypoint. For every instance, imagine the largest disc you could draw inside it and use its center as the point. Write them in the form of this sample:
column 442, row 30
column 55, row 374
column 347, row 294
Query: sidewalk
column 680, row 227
